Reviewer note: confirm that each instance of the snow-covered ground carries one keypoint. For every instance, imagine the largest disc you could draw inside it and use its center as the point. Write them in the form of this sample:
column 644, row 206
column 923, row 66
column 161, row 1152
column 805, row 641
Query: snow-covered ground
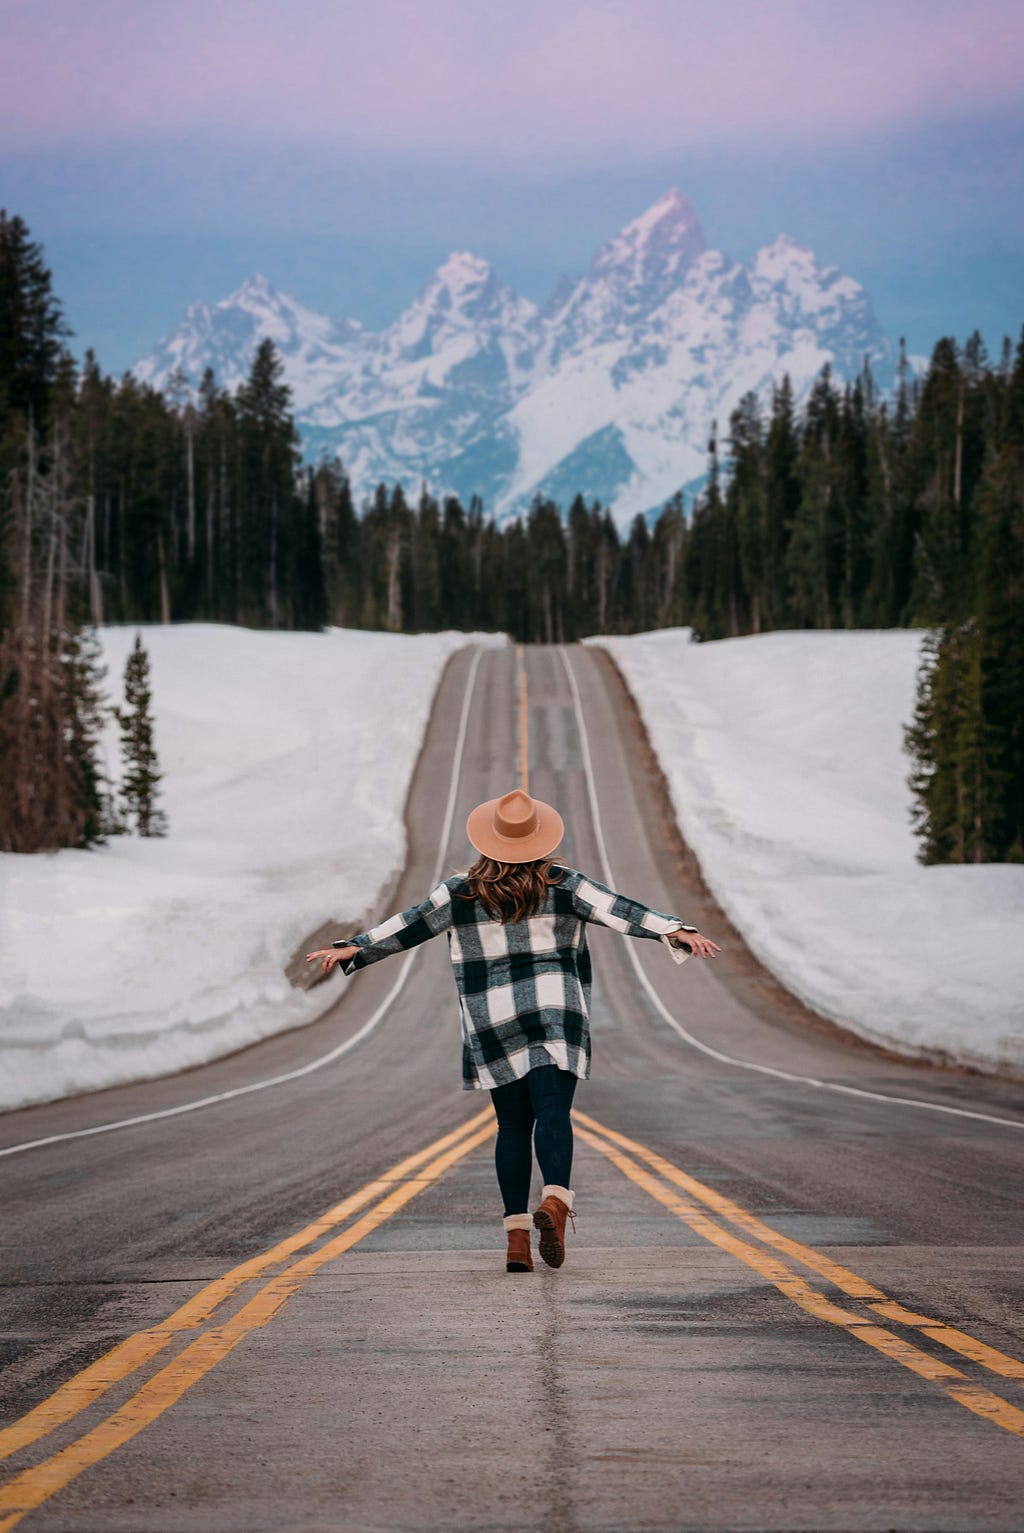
column 286, row 760
column 783, row 753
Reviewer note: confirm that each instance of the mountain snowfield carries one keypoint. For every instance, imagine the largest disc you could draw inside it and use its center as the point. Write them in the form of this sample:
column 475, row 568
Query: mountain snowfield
column 784, row 758
column 286, row 760
column 610, row 388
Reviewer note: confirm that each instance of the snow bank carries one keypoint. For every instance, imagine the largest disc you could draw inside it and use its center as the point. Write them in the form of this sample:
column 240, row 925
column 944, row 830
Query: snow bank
column 286, row 760
column 783, row 753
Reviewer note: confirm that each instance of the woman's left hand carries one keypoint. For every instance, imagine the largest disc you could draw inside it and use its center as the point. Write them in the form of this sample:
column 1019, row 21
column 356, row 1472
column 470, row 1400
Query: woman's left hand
column 332, row 956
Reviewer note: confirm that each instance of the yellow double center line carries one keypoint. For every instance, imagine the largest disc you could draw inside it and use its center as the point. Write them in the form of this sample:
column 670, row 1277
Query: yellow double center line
column 660, row 1178
column 393, row 1190
column 707, row 1212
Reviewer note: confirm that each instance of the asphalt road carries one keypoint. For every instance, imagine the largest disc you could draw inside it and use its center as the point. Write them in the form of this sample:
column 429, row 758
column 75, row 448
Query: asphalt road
column 785, row 1307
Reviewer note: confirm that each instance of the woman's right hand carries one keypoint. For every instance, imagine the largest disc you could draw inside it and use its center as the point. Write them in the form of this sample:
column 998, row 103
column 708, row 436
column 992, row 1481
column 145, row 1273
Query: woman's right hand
column 702, row 946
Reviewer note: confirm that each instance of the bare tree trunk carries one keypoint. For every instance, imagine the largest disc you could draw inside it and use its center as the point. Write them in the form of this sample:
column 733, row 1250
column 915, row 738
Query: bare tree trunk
column 230, row 552
column 602, row 585
column 394, row 618
column 83, row 560
column 19, row 664
column 824, row 502
column 958, row 458
column 46, row 626
column 321, row 508
column 64, row 810
column 122, row 540
column 273, row 561
column 848, row 571
column 190, row 468
column 165, row 600
column 26, row 553
column 95, row 590
column 671, row 566
column 209, row 545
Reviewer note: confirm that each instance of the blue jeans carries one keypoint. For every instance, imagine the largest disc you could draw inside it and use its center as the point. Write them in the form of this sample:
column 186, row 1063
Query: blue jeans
column 537, row 1106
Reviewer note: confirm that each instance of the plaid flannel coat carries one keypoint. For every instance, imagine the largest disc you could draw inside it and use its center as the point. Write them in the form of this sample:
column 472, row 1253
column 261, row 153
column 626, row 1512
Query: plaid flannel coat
column 524, row 987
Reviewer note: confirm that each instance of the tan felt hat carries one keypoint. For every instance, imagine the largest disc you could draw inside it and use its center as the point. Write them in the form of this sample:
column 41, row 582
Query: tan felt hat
column 515, row 828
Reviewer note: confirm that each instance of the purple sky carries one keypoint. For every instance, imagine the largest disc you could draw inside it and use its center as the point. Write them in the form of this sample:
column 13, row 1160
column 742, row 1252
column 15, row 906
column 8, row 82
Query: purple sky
column 163, row 152
column 537, row 74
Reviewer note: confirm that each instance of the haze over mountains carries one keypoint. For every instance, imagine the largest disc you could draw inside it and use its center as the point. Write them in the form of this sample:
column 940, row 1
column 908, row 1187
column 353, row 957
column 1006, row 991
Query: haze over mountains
column 609, row 388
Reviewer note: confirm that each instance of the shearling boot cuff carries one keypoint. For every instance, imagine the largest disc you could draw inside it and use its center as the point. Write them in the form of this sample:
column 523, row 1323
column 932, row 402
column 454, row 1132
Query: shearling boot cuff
column 518, row 1222
column 550, row 1190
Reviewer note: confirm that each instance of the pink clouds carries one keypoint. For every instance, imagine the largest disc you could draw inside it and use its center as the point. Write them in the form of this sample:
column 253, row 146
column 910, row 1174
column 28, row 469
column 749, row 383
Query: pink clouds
column 579, row 76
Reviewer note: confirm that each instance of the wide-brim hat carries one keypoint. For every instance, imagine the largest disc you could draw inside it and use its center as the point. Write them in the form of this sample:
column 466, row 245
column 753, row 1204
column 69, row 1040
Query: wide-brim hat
column 515, row 828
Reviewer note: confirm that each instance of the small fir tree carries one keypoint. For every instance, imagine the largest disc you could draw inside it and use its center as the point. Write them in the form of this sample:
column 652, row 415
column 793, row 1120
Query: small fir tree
column 139, row 784
column 85, row 713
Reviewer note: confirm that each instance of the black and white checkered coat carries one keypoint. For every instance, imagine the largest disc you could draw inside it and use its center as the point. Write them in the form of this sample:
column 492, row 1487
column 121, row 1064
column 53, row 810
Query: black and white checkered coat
column 524, row 987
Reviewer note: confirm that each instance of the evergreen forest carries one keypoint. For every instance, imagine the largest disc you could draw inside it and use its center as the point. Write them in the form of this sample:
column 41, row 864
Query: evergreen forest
column 123, row 504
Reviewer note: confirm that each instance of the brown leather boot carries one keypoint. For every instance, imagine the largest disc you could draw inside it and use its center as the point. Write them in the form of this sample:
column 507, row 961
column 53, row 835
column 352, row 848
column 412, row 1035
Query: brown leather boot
column 550, row 1218
column 520, row 1257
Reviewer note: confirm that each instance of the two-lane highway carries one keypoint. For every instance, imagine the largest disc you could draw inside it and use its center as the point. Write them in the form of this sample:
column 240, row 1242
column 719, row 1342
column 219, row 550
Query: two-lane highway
column 793, row 1300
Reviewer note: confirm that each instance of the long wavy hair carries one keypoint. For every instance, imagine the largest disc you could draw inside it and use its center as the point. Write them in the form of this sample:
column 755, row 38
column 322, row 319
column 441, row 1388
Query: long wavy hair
column 511, row 891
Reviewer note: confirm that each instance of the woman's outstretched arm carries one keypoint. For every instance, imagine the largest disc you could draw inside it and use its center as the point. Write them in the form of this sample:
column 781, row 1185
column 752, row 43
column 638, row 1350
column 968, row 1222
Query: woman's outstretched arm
column 406, row 929
column 594, row 901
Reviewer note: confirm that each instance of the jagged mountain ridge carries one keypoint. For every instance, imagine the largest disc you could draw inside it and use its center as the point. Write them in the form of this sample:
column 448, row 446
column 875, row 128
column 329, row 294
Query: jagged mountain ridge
column 609, row 388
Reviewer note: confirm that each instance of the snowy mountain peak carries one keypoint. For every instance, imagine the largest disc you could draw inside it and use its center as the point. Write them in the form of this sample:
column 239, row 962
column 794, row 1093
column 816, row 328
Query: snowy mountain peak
column 464, row 284
column 655, row 247
column 463, row 269
column 255, row 292
column 793, row 270
column 783, row 254
column 465, row 298
column 670, row 218
column 226, row 335
column 631, row 275
column 468, row 286
column 609, row 389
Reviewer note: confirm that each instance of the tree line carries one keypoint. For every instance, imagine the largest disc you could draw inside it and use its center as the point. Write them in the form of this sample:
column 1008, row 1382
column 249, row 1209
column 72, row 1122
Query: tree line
column 868, row 512
column 121, row 503
column 53, row 701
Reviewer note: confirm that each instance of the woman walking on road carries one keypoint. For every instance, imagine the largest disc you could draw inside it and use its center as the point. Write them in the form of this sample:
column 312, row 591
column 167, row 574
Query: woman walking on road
column 516, row 925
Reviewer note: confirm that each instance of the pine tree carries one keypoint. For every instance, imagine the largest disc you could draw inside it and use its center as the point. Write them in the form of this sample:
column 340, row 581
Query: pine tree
column 547, row 557
column 815, row 538
column 140, row 776
column 668, row 546
column 782, row 498
column 747, row 492
column 32, row 325
column 931, row 742
column 936, row 459
column 269, row 458
column 1000, row 607
column 426, row 535
column 852, row 504
column 87, row 711
column 51, row 784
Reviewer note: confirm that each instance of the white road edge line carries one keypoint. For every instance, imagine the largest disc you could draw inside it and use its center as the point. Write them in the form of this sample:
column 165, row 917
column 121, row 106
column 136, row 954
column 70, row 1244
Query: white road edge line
column 341, row 1048
column 688, row 1037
